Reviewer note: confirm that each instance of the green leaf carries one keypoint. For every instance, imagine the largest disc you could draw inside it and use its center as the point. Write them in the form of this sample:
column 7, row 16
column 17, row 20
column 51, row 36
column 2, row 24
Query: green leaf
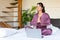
column 33, row 8
column 27, row 15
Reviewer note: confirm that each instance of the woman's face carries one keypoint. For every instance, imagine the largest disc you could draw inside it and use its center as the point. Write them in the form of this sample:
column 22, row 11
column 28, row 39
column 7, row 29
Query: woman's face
column 39, row 8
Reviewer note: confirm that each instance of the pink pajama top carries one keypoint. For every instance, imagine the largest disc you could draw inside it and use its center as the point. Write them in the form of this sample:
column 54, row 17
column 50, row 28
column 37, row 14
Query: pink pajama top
column 44, row 21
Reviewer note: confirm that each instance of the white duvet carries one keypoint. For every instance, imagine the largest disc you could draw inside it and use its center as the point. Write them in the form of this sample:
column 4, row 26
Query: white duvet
column 5, row 32
column 21, row 35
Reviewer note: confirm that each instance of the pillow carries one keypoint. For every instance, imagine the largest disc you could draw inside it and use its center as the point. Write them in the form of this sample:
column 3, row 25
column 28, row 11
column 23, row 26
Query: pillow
column 5, row 32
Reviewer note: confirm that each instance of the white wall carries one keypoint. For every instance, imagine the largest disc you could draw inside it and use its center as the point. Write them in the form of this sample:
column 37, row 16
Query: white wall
column 52, row 6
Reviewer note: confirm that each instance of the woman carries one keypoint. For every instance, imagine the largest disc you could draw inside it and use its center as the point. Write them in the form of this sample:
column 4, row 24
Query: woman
column 41, row 20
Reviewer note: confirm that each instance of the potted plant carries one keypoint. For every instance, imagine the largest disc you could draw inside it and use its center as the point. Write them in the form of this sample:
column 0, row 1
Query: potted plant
column 27, row 15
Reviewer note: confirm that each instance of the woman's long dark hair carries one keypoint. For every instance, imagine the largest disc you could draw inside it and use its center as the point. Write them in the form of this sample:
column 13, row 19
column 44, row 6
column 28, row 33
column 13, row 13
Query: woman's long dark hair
column 41, row 4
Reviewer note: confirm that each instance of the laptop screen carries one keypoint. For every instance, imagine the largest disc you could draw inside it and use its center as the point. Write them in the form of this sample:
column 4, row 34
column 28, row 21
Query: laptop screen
column 33, row 33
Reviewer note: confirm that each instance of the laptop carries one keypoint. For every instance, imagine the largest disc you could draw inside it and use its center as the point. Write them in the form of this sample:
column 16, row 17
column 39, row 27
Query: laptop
column 33, row 33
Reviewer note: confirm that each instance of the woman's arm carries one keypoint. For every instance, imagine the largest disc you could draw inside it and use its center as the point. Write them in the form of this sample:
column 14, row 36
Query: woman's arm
column 33, row 22
column 46, row 20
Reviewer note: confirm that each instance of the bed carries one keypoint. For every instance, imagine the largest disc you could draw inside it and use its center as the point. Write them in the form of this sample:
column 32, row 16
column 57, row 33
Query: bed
column 21, row 35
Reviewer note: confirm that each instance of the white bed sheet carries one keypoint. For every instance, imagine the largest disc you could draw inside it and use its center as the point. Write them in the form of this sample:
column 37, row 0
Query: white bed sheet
column 21, row 35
